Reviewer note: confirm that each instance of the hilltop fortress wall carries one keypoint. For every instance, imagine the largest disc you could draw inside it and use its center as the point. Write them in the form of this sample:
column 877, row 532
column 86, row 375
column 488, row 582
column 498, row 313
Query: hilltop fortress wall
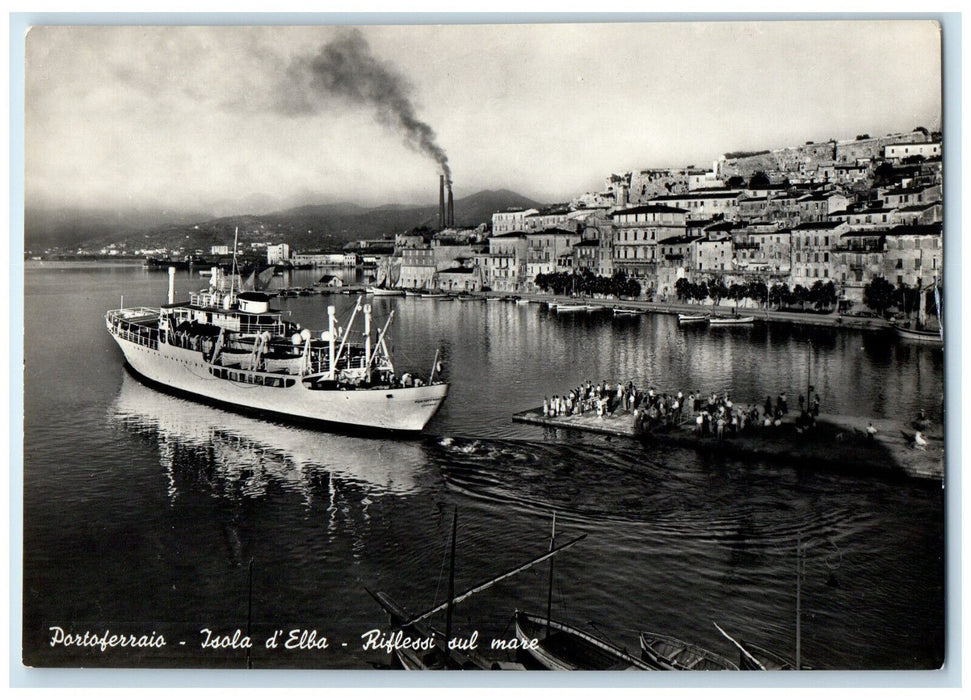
column 807, row 158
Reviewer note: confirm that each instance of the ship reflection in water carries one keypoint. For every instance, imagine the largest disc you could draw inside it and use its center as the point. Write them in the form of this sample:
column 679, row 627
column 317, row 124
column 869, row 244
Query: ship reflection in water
column 236, row 456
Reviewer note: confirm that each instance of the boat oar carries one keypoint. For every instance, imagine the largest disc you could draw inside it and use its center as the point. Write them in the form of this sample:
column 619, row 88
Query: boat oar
column 741, row 648
column 482, row 586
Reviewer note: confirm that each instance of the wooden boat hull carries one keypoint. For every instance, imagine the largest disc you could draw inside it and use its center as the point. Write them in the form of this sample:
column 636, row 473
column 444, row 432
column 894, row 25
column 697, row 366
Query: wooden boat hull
column 379, row 292
column 691, row 318
column 570, row 649
column 923, row 337
column 741, row 321
column 669, row 654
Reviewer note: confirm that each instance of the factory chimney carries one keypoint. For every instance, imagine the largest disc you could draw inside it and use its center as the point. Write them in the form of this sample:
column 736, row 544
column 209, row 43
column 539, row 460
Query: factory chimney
column 451, row 211
column 441, row 201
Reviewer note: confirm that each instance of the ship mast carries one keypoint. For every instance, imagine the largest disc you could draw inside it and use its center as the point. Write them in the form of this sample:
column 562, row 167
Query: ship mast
column 232, row 278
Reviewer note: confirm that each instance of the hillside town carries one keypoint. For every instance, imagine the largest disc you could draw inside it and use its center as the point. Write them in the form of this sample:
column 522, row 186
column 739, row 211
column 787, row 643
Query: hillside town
column 817, row 222
column 841, row 212
column 835, row 215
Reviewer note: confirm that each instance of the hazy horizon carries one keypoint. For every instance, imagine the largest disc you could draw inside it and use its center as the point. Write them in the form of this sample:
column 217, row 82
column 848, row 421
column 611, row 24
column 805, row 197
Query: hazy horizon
column 248, row 120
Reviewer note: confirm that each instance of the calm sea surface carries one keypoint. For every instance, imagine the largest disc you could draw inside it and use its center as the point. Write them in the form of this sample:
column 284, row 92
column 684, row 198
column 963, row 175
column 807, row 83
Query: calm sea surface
column 142, row 511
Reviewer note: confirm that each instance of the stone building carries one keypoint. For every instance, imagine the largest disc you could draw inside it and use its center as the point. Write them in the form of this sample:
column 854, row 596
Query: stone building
column 811, row 247
column 510, row 220
column 506, row 267
column 636, row 233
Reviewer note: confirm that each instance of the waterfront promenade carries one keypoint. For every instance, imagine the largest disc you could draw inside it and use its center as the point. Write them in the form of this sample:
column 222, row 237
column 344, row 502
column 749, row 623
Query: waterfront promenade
column 725, row 309
column 836, row 442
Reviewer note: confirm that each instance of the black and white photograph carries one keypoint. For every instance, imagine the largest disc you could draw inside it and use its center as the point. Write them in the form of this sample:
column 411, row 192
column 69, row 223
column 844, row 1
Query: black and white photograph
column 496, row 346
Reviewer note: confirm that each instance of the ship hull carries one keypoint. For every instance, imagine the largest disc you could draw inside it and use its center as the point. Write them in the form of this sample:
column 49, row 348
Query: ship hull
column 186, row 372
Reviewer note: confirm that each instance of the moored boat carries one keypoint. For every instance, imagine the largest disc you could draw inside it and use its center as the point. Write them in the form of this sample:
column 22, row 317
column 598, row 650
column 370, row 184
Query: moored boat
column 570, row 308
column 731, row 320
column 383, row 292
column 560, row 647
column 692, row 318
column 925, row 337
column 232, row 349
column 666, row 653
column 629, row 312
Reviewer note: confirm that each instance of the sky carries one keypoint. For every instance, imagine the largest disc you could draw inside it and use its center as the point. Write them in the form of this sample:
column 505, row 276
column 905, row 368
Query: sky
column 252, row 119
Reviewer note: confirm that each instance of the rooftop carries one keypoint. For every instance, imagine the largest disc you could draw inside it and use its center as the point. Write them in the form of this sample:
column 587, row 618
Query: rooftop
column 695, row 195
column 651, row 209
column 814, row 225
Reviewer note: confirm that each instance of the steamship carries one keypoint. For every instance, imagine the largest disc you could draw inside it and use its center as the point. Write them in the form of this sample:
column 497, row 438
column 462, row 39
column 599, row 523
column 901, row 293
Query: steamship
column 230, row 348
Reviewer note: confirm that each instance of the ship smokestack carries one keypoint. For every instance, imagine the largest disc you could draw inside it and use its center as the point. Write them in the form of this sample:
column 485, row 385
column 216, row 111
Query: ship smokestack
column 451, row 211
column 441, row 201
column 171, row 285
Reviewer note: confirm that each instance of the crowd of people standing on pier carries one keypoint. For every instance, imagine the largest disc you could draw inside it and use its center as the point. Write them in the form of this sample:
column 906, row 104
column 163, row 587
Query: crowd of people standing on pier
column 708, row 414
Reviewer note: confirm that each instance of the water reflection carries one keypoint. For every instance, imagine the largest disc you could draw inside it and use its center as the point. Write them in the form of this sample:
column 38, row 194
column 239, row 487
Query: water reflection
column 238, row 457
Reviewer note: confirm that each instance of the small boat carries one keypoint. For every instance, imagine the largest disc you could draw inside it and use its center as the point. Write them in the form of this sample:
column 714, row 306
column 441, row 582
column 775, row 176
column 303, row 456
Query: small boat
column 382, row 292
column 669, row 654
column 570, row 308
column 433, row 295
column 731, row 320
column 629, row 312
column 522, row 301
column 467, row 297
column 564, row 648
column 493, row 298
column 692, row 318
column 920, row 336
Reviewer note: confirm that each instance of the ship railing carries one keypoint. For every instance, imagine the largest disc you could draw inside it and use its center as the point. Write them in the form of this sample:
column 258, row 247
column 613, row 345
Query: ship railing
column 132, row 313
column 147, row 337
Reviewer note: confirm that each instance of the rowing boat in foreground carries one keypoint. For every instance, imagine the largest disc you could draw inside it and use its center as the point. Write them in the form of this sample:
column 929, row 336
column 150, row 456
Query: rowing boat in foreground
column 731, row 320
column 570, row 308
column 560, row 647
column 692, row 318
column 629, row 312
column 669, row 654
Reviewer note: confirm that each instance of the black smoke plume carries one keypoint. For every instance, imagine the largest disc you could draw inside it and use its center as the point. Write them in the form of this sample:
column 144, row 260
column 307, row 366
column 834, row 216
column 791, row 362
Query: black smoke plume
column 346, row 67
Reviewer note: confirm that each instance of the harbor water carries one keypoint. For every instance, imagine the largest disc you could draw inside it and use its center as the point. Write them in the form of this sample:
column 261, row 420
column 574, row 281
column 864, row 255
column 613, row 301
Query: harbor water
column 146, row 514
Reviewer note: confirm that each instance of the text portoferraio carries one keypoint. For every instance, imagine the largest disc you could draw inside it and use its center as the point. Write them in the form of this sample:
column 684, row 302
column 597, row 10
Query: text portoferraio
column 104, row 640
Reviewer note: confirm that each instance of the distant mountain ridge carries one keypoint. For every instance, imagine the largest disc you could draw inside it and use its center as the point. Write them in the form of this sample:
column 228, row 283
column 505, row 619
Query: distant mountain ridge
column 305, row 227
